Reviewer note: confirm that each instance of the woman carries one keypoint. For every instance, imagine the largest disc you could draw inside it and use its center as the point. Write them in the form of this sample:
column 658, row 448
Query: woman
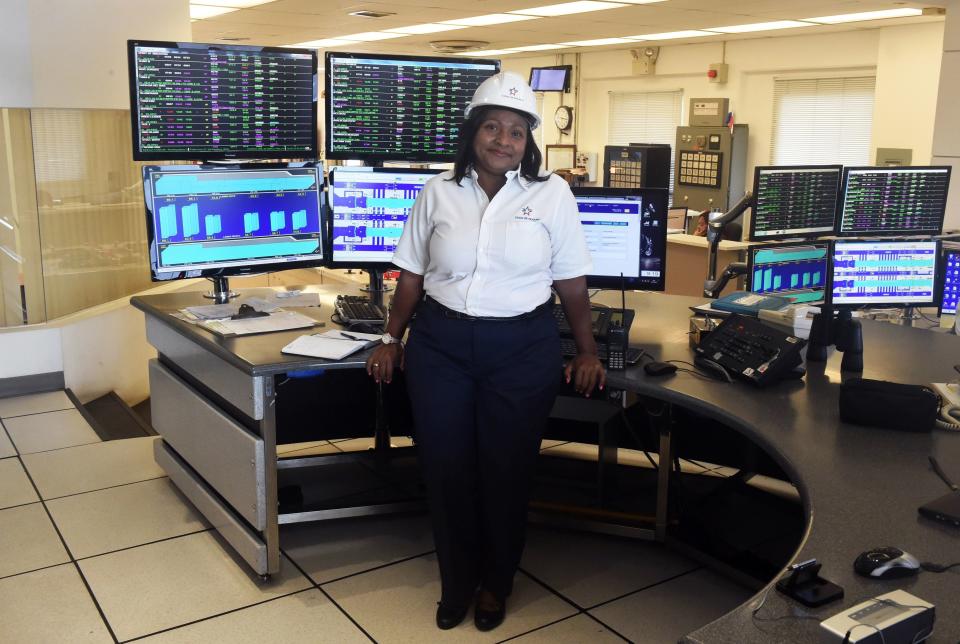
column 478, row 255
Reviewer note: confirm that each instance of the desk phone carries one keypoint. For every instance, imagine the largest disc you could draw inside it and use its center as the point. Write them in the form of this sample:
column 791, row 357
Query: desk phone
column 751, row 350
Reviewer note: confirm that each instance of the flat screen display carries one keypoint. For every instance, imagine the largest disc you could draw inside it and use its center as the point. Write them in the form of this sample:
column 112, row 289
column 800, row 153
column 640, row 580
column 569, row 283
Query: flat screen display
column 884, row 273
column 794, row 201
column 950, row 281
column 197, row 102
column 797, row 271
column 398, row 108
column 369, row 207
column 550, row 79
column 210, row 221
column 885, row 201
column 626, row 233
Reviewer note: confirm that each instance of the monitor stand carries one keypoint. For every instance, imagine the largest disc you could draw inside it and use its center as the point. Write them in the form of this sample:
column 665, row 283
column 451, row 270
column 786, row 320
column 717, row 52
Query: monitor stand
column 376, row 288
column 842, row 331
column 221, row 292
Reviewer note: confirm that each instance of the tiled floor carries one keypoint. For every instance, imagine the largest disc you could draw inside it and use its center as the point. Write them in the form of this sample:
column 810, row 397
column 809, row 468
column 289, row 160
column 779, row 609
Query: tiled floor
column 96, row 545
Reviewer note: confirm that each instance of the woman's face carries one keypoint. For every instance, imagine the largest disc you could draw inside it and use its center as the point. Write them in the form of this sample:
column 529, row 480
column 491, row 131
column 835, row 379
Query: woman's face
column 500, row 142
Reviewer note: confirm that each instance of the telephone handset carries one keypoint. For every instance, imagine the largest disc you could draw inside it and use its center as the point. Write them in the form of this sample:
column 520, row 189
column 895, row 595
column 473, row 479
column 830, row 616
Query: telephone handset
column 949, row 404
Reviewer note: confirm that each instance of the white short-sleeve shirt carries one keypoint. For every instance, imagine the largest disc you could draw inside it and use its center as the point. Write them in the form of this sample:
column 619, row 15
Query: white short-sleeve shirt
column 494, row 257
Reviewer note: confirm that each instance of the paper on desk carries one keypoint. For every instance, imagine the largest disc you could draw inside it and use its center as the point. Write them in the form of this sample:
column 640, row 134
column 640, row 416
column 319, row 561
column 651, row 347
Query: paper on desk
column 323, row 346
column 279, row 321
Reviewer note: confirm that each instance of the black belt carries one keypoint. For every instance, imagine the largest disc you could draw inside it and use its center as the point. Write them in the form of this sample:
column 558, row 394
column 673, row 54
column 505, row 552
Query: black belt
column 450, row 313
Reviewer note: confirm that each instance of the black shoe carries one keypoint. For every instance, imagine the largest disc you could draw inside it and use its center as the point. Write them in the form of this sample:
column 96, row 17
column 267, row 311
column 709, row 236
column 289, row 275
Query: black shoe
column 489, row 611
column 450, row 616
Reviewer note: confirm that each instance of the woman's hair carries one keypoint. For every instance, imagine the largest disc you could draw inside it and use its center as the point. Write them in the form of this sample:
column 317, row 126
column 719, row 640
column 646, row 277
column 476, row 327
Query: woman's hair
column 529, row 164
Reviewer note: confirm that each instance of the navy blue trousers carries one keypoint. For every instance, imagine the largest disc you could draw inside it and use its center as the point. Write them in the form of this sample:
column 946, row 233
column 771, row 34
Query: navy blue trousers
column 481, row 392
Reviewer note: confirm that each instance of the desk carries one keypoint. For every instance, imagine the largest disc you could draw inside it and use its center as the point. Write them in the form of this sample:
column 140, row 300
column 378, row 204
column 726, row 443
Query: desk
column 687, row 263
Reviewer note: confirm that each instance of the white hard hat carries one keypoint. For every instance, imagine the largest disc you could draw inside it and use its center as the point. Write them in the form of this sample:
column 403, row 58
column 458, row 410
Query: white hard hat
column 506, row 89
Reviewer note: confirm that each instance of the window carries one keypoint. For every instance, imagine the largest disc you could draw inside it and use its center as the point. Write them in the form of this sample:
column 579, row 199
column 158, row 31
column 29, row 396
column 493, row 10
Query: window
column 645, row 117
column 822, row 120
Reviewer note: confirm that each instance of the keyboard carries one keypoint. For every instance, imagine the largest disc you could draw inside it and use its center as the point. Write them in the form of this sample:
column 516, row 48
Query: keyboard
column 569, row 349
column 354, row 308
column 751, row 350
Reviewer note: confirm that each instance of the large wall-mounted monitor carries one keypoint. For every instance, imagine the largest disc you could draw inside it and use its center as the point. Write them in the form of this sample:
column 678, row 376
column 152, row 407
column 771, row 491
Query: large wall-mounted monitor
column 205, row 221
column 950, row 281
column 797, row 271
column 399, row 108
column 883, row 201
column 794, row 201
column 626, row 232
column 884, row 272
column 551, row 79
column 368, row 209
column 197, row 102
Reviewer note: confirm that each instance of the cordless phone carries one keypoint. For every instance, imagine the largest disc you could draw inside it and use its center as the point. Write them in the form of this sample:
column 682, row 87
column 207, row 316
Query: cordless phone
column 617, row 337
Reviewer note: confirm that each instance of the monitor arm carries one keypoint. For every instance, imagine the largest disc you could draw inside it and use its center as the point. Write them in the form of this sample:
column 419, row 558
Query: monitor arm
column 712, row 289
column 714, row 237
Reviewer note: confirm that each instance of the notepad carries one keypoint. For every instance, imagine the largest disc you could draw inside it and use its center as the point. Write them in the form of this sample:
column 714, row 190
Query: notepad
column 331, row 345
column 279, row 321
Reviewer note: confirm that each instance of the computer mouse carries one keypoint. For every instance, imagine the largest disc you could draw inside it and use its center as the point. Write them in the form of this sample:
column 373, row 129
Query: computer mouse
column 656, row 368
column 886, row 563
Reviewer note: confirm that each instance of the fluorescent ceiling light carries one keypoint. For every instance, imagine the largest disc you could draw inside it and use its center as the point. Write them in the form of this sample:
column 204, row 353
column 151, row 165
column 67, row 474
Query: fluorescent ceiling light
column 538, row 47
column 489, row 52
column 233, row 4
column 904, row 12
column 600, row 41
column 568, row 8
column 325, row 42
column 428, row 28
column 489, row 19
column 670, row 35
column 370, row 36
column 640, row 1
column 759, row 26
column 202, row 11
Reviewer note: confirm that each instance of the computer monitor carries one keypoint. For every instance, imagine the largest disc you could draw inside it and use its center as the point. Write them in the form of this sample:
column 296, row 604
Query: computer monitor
column 898, row 272
column 797, row 271
column 950, row 279
column 205, row 221
column 368, row 208
column 626, row 232
column 197, row 102
column 550, row 79
column 883, row 201
column 401, row 108
column 794, row 201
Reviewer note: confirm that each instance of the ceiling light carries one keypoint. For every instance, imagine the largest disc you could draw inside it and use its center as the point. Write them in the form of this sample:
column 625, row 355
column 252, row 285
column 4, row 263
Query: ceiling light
column 759, row 26
column 538, row 47
column 202, row 11
column 904, row 12
column 233, row 4
column 489, row 19
column 640, row 1
column 670, row 35
column 489, row 52
column 370, row 36
column 600, row 41
column 428, row 28
column 567, row 8
column 325, row 42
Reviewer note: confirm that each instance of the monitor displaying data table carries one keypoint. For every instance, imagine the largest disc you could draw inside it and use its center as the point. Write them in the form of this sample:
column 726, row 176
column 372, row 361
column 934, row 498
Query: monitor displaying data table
column 626, row 233
column 209, row 221
column 794, row 201
column 797, row 271
column 884, row 272
column 398, row 108
column 882, row 201
column 368, row 208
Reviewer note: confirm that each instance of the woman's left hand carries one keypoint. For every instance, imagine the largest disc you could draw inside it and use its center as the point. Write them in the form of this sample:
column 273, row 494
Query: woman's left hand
column 586, row 372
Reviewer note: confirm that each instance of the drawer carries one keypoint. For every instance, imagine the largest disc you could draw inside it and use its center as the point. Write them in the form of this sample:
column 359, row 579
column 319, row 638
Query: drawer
column 226, row 455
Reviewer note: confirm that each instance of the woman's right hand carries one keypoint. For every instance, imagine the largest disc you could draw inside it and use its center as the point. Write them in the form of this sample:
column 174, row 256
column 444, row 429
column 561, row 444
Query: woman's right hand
column 383, row 360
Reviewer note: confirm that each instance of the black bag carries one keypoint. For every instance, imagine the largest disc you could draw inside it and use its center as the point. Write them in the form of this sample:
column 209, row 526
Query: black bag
column 911, row 408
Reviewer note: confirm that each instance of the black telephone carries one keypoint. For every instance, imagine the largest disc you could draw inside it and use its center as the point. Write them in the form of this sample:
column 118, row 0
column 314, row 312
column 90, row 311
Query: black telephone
column 617, row 338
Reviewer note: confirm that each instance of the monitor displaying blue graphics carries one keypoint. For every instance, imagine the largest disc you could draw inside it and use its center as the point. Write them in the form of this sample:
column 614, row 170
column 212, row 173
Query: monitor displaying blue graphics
column 550, row 79
column 797, row 271
column 894, row 272
column 369, row 208
column 626, row 233
column 883, row 201
column 205, row 221
column 950, row 281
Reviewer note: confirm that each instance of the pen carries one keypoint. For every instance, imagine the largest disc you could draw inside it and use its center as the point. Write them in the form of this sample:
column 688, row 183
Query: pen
column 350, row 337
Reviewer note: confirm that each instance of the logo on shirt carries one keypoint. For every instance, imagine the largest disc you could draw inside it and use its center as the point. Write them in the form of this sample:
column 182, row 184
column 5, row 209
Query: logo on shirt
column 526, row 214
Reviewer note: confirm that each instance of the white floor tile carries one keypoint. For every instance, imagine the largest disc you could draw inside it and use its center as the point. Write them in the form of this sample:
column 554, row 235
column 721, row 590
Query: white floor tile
column 50, row 605
column 398, row 604
column 92, row 467
column 15, row 487
column 125, row 516
column 34, row 404
column 303, row 617
column 28, row 540
column 364, row 444
column 6, row 447
column 667, row 612
column 311, row 448
column 604, row 566
column 573, row 630
column 333, row 549
column 162, row 585
column 50, row 430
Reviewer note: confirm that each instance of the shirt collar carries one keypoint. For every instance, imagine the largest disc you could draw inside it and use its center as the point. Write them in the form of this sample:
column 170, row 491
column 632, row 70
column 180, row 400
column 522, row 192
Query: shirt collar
column 510, row 174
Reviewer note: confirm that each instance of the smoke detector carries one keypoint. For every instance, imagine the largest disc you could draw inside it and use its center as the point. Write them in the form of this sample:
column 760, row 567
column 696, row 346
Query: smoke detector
column 457, row 46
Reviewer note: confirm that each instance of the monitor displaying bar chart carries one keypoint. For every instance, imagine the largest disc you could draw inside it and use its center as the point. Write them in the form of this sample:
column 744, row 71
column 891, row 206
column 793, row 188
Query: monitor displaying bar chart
column 884, row 273
column 206, row 220
column 797, row 271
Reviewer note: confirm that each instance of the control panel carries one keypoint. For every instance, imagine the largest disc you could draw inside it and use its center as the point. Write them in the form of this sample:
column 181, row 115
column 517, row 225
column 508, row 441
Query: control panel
column 711, row 167
column 638, row 165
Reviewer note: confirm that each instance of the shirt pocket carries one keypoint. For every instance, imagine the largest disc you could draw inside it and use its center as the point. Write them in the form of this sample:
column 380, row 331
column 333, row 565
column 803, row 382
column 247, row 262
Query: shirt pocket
column 526, row 245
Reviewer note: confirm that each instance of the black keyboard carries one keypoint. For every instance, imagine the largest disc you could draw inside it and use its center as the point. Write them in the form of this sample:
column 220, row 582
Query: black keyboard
column 569, row 349
column 354, row 308
column 750, row 349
